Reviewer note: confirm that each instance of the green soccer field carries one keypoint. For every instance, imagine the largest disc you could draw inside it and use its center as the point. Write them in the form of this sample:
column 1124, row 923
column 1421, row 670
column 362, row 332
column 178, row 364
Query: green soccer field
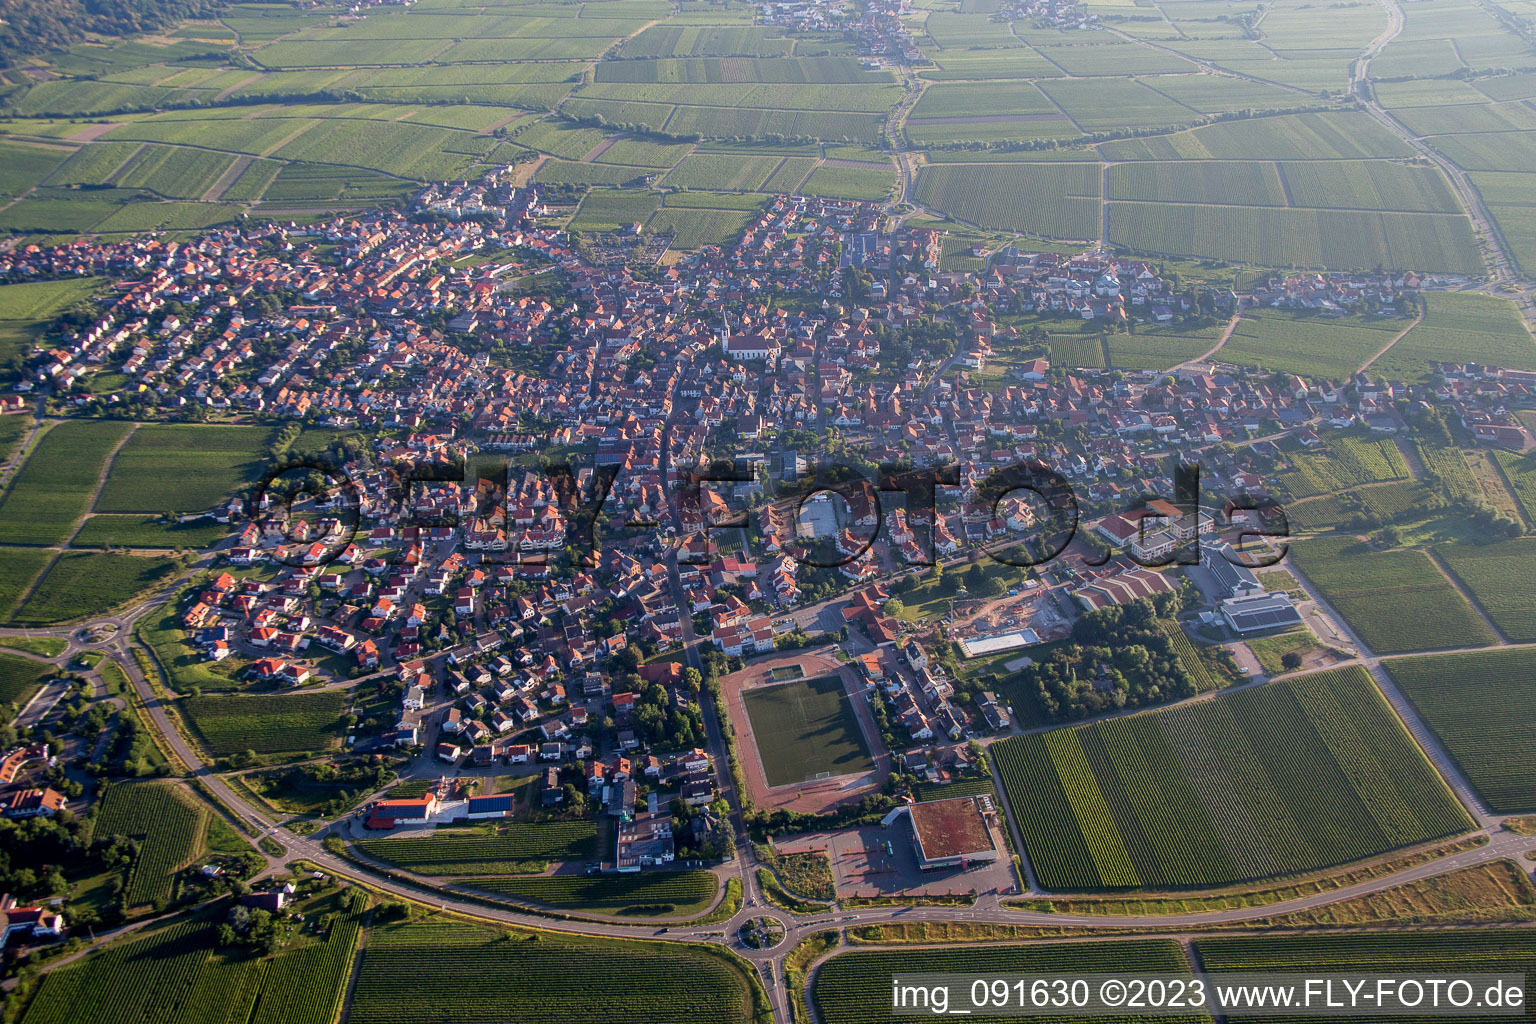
column 806, row 728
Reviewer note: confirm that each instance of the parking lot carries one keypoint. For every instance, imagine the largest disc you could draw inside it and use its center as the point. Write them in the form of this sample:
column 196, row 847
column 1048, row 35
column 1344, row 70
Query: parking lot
column 878, row 861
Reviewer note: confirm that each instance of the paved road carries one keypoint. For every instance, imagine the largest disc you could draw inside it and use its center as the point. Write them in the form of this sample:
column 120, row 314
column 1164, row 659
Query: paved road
column 769, row 962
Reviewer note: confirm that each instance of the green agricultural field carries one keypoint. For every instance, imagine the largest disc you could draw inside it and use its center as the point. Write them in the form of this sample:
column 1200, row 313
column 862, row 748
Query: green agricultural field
column 869, row 183
column 1368, row 185
column 20, row 678
column 178, row 972
column 479, row 853
column 1343, row 463
column 1424, row 954
column 1263, row 782
column 42, row 300
column 1230, row 182
column 266, row 723
column 174, row 172
column 651, row 894
column 1461, row 327
column 1306, row 344
column 855, row 987
column 475, row 966
column 1345, row 135
column 1343, row 510
column 138, row 531
column 1336, row 239
column 697, row 227
column 14, row 428
column 607, row 209
column 183, row 468
column 715, row 200
column 85, row 583
column 1479, row 704
column 27, row 166
column 729, row 172
column 1394, row 601
column 55, row 485
column 971, row 99
column 18, row 568
column 805, row 728
column 1058, row 200
column 1495, row 574
column 168, row 823
column 1160, row 346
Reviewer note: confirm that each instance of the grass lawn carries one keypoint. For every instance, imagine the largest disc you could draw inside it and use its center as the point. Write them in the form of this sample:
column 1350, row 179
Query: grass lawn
column 47, row 646
column 652, row 894
column 1269, row 650
column 806, row 728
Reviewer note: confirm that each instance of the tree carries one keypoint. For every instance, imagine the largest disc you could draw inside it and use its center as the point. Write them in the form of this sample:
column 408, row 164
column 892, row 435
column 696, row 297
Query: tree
column 1290, row 661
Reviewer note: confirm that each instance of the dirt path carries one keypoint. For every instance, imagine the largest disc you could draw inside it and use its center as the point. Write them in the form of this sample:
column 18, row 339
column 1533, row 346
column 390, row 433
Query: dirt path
column 1450, row 577
column 1225, row 335
column 600, row 148
column 227, row 179
column 221, row 97
column 1396, row 338
column 92, row 132
column 1410, row 454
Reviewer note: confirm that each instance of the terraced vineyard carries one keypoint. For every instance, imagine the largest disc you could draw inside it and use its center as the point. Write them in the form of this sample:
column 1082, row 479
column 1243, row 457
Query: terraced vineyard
column 178, row 974
column 855, row 988
column 1395, row 600
column 266, row 723
column 1479, row 704
column 481, row 854
column 549, row 978
column 1275, row 780
column 169, row 825
column 649, row 893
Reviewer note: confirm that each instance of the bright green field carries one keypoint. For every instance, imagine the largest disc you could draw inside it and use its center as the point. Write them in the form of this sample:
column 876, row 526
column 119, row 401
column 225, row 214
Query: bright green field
column 1394, row 600
column 1307, row 344
column 183, row 468
column 84, row 583
column 1262, row 782
column 665, row 983
column 1479, row 705
column 805, row 728
column 55, row 485
column 266, row 723
column 480, row 854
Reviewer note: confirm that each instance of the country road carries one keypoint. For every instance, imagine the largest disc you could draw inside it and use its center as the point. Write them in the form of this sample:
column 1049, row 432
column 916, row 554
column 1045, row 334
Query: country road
column 988, row 910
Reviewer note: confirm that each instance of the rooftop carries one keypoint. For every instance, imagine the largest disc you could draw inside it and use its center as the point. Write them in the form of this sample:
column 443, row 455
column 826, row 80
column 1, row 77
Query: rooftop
column 950, row 828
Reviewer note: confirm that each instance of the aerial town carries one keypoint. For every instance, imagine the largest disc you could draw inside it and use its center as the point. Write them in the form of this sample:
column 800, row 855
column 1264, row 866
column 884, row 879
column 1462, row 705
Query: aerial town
column 577, row 523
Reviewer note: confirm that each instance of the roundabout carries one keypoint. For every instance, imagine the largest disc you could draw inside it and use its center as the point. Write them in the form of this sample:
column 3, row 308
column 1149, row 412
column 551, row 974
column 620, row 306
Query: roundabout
column 761, row 932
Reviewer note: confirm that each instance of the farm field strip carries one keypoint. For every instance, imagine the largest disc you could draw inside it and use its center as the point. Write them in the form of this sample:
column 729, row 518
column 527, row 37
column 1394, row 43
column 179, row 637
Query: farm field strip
column 1478, row 704
column 1208, row 793
column 1396, row 601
